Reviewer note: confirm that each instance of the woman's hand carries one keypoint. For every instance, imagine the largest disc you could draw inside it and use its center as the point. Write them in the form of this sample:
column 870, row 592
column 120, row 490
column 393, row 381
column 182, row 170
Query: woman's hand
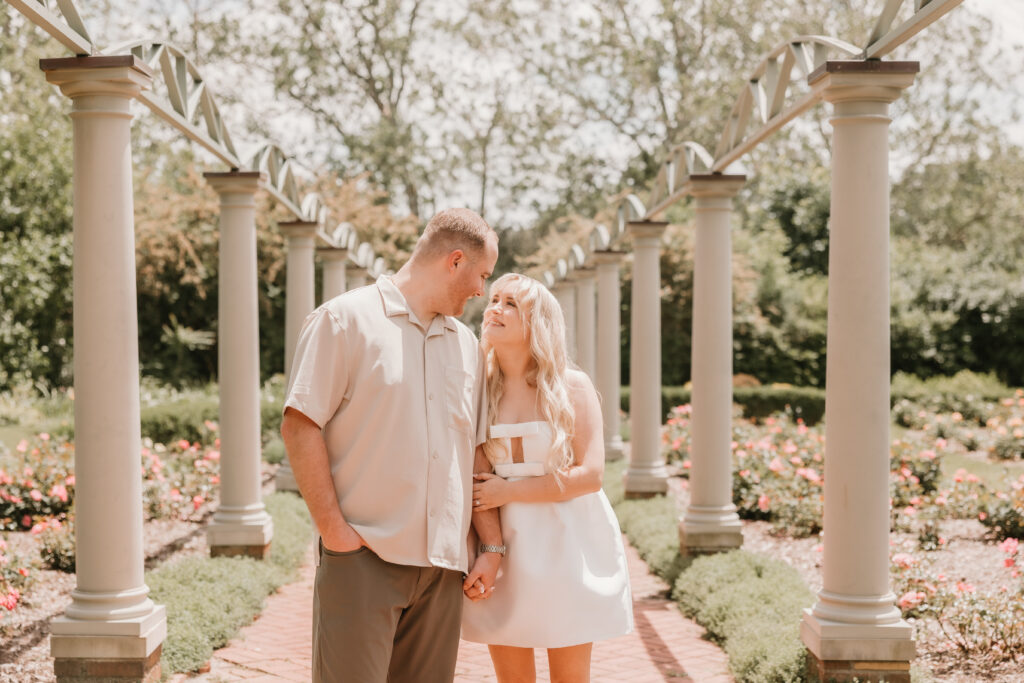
column 490, row 491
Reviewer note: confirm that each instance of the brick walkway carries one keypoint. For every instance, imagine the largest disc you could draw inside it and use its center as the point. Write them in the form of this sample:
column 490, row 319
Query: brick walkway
column 664, row 646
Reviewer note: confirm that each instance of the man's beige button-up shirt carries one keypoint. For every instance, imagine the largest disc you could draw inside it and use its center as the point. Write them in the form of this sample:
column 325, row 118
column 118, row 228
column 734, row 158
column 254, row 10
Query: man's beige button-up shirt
column 402, row 408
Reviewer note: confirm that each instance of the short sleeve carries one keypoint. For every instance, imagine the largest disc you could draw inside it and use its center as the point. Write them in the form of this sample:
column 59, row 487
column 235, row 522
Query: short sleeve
column 320, row 374
column 481, row 399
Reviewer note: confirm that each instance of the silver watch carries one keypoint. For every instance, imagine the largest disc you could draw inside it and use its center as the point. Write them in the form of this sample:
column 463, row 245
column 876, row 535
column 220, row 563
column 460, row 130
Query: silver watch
column 484, row 548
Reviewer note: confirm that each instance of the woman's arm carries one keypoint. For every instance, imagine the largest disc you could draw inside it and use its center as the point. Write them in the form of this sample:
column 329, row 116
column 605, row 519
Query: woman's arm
column 583, row 477
column 487, row 525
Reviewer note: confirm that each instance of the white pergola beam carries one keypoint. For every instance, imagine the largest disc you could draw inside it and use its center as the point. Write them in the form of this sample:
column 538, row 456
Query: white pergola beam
column 925, row 14
column 69, row 32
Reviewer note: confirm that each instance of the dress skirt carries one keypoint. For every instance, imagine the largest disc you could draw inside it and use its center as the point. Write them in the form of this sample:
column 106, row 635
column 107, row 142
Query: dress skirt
column 563, row 580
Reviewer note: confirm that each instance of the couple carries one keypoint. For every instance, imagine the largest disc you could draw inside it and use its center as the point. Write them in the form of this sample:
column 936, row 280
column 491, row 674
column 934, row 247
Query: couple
column 407, row 438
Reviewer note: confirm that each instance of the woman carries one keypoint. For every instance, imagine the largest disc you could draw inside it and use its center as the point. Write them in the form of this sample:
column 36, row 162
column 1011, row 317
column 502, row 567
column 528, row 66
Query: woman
column 563, row 583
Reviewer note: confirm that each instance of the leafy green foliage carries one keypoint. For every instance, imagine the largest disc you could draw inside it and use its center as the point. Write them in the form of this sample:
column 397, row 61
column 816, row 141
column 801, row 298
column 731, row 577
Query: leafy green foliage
column 209, row 599
column 806, row 403
column 753, row 605
column 35, row 215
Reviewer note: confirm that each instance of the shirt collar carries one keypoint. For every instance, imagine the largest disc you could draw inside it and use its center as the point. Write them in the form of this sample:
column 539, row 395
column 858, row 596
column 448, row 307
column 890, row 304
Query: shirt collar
column 395, row 304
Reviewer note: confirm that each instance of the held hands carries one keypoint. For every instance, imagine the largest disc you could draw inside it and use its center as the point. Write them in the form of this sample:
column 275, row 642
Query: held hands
column 489, row 491
column 479, row 583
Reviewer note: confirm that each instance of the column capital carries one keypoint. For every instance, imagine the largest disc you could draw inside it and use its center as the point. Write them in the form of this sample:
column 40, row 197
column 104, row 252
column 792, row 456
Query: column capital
column 332, row 253
column 647, row 229
column 235, row 182
column 873, row 81
column 611, row 257
column 714, row 185
column 578, row 274
column 296, row 229
column 118, row 75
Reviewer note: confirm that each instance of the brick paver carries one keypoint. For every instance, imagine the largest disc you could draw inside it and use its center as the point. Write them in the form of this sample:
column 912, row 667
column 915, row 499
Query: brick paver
column 664, row 646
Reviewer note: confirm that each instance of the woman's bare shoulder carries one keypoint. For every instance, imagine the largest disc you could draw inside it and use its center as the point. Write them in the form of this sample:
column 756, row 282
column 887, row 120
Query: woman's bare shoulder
column 578, row 383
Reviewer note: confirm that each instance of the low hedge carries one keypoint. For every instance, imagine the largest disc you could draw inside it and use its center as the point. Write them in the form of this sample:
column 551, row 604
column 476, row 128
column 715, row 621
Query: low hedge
column 751, row 604
column 186, row 418
column 803, row 402
column 209, row 599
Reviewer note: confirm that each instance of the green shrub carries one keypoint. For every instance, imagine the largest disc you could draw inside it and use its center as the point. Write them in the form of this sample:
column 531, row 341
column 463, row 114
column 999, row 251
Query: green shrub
column 971, row 394
column 57, row 548
column 209, row 599
column 184, row 415
column 807, row 403
column 753, row 606
column 184, row 418
column 274, row 452
column 1004, row 512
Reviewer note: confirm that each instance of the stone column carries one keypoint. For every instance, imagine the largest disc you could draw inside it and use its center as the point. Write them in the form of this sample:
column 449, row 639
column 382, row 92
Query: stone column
column 711, row 523
column 333, row 259
column 111, row 626
column 647, row 475
column 609, row 370
column 565, row 292
column 355, row 277
column 586, row 310
column 241, row 525
column 300, row 300
column 854, row 629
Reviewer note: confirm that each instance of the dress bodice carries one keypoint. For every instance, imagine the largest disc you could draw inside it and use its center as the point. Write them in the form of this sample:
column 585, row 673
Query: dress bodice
column 537, row 438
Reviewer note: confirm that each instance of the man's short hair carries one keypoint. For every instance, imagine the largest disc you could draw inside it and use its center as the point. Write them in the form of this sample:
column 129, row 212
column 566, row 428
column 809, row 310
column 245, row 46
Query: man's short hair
column 453, row 229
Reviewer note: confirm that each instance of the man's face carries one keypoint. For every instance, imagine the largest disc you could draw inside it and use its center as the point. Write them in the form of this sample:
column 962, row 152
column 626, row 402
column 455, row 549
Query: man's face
column 471, row 275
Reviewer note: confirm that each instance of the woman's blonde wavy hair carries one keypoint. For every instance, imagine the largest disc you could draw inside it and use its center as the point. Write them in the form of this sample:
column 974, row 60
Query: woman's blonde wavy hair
column 544, row 327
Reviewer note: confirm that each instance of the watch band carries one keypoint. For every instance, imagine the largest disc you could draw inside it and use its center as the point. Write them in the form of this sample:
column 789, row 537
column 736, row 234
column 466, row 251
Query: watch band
column 500, row 549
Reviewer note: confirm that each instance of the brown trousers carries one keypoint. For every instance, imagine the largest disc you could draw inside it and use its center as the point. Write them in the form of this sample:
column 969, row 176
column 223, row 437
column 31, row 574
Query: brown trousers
column 377, row 622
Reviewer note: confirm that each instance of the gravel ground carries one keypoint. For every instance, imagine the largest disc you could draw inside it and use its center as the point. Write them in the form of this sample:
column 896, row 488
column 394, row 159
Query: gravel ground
column 967, row 556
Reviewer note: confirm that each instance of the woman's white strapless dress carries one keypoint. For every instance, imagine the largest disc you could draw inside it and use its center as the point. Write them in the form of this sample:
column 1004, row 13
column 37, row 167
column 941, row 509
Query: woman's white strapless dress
column 564, row 579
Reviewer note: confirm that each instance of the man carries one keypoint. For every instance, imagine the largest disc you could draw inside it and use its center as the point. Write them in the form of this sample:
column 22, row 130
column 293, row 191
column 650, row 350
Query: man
column 384, row 410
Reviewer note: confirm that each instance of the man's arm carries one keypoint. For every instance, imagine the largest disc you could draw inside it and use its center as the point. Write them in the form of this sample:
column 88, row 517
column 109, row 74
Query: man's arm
column 487, row 525
column 307, row 454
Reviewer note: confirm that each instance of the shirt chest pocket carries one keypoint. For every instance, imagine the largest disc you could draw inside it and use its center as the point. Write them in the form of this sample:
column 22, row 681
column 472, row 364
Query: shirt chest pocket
column 458, row 391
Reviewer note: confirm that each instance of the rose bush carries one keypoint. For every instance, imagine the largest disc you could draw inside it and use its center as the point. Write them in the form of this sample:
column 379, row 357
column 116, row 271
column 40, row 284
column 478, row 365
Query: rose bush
column 36, row 481
column 16, row 575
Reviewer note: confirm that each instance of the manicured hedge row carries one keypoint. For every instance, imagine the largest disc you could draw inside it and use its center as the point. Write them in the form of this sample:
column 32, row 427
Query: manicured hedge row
column 750, row 604
column 209, row 599
column 804, row 402
column 186, row 418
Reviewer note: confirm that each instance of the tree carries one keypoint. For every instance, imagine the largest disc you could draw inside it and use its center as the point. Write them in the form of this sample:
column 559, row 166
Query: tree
column 35, row 215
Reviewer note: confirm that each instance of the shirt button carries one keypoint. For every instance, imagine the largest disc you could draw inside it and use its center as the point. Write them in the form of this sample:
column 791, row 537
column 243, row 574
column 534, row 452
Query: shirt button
column 430, row 397
column 434, row 455
column 431, row 513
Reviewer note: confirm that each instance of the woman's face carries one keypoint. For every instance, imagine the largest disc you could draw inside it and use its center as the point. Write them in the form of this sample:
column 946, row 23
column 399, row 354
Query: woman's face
column 502, row 322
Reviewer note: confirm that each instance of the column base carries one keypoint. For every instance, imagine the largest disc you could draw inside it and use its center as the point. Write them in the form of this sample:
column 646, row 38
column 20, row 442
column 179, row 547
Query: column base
column 251, row 533
column 850, row 671
column 96, row 670
column 259, row 552
column 284, row 480
column 613, row 449
column 874, row 644
column 646, row 483
column 111, row 640
column 708, row 542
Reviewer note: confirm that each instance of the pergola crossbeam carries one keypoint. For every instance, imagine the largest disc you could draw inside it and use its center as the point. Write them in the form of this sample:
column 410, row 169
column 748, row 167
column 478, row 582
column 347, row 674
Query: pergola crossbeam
column 69, row 32
column 925, row 13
